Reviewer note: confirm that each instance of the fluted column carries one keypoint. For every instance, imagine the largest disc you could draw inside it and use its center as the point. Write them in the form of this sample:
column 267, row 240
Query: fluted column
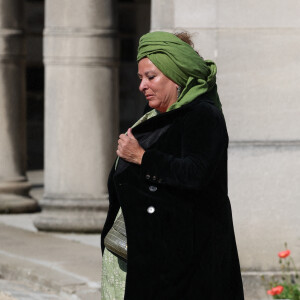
column 80, row 55
column 14, row 186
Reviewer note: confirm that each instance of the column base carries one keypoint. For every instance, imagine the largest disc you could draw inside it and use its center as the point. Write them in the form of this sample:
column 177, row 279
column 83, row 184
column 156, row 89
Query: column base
column 14, row 204
column 69, row 215
column 15, row 186
column 76, row 221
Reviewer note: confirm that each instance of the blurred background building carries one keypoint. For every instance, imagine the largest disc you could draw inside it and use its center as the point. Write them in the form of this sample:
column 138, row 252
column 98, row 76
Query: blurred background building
column 68, row 86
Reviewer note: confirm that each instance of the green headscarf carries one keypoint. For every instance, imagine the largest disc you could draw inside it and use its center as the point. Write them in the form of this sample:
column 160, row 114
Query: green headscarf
column 182, row 64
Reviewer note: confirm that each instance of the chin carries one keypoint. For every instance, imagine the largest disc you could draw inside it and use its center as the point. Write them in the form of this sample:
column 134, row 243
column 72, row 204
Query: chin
column 153, row 105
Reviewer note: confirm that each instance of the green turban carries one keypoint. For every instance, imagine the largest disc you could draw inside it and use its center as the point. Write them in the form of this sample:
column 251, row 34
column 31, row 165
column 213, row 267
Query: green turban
column 182, row 64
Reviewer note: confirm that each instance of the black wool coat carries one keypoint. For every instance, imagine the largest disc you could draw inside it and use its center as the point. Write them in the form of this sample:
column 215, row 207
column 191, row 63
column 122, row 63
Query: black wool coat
column 180, row 235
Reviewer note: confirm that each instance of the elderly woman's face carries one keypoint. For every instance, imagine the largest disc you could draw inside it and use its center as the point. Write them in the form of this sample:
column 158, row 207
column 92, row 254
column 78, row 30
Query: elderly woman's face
column 159, row 90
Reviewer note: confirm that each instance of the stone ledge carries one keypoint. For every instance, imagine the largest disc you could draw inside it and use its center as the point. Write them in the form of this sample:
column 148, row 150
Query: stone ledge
column 253, row 284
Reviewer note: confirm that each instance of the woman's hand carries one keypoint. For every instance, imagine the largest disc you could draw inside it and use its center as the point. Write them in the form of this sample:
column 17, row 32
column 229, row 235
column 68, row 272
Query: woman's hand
column 129, row 148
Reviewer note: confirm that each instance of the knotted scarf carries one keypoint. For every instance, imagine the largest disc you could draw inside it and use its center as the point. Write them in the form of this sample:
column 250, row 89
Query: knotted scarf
column 182, row 64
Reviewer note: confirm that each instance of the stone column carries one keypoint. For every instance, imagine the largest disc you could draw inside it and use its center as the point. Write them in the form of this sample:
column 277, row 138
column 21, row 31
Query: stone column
column 81, row 113
column 14, row 186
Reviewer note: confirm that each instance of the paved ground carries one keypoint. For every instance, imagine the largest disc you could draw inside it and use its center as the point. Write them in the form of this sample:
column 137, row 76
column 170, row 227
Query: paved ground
column 41, row 266
column 12, row 290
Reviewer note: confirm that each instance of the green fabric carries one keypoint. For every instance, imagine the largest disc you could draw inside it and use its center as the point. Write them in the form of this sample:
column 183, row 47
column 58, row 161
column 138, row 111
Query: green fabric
column 182, row 64
column 113, row 278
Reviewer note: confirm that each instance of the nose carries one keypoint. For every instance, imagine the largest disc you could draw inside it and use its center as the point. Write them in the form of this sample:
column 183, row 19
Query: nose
column 143, row 85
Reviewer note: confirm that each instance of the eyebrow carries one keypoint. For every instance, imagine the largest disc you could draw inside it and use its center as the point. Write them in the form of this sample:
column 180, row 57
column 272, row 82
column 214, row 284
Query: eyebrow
column 146, row 73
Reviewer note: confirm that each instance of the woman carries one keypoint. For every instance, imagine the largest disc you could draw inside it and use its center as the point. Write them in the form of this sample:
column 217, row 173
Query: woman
column 170, row 183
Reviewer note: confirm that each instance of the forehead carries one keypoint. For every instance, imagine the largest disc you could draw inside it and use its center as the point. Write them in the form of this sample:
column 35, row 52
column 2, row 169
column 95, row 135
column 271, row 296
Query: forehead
column 146, row 65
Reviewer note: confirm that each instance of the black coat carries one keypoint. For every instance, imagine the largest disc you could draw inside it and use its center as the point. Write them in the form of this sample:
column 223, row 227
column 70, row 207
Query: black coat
column 180, row 235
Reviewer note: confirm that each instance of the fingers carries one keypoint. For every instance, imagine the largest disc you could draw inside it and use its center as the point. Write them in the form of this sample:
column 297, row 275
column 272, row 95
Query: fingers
column 123, row 137
column 128, row 146
column 119, row 150
column 129, row 133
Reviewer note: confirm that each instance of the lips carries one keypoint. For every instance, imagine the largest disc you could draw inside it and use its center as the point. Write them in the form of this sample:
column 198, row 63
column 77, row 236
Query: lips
column 148, row 96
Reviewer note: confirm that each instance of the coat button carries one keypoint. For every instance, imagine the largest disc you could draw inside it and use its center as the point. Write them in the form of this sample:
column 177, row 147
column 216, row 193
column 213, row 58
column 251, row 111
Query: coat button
column 150, row 210
column 148, row 176
column 152, row 188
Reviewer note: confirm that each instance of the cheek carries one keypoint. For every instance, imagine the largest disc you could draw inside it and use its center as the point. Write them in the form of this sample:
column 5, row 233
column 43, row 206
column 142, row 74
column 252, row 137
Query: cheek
column 171, row 90
column 161, row 90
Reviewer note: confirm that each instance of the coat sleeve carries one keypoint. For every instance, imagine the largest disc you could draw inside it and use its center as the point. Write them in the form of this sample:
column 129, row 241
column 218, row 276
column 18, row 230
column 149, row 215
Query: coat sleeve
column 203, row 142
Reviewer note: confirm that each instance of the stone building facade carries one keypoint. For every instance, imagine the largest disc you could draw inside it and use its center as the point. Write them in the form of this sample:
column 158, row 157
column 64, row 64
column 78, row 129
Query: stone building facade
column 87, row 53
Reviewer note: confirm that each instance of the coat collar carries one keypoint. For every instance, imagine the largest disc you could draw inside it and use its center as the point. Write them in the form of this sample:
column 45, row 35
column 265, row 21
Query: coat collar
column 163, row 119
